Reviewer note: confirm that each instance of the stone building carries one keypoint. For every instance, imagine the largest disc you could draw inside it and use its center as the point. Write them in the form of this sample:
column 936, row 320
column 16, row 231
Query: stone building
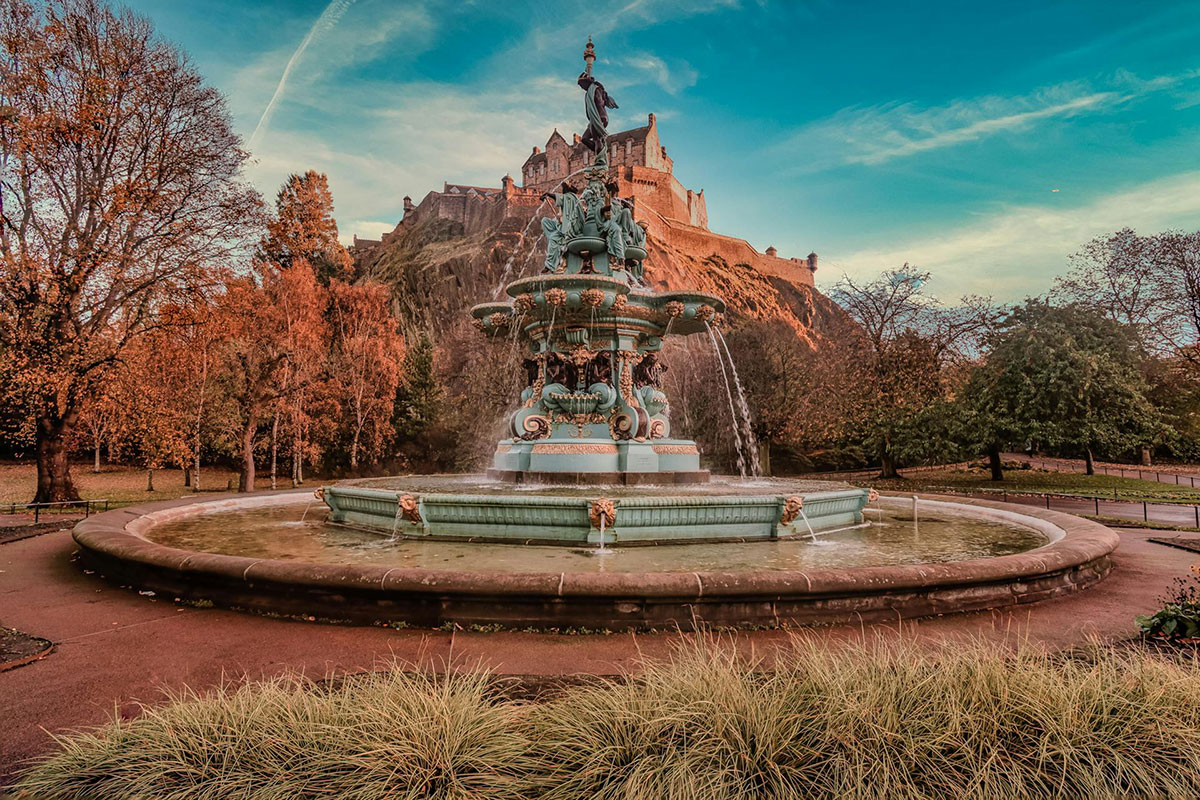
column 639, row 163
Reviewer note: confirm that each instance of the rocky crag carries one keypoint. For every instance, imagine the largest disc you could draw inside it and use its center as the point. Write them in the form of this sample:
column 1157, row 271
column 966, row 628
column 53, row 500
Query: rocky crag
column 460, row 245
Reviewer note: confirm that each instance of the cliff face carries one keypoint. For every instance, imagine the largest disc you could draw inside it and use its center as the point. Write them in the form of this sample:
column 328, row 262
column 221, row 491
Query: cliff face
column 438, row 269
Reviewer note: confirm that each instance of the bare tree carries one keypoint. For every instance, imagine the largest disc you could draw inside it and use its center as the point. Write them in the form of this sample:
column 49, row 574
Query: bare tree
column 914, row 344
column 120, row 181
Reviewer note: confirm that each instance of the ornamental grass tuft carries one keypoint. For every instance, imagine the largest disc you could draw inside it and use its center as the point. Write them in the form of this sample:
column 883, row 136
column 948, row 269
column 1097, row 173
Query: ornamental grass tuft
column 876, row 720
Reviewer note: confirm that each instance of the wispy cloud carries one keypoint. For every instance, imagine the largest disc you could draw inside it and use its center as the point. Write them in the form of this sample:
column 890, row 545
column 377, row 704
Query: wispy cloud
column 878, row 134
column 647, row 68
column 1017, row 251
column 326, row 22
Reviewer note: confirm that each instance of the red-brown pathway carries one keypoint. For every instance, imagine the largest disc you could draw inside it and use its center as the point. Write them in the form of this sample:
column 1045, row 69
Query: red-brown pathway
column 114, row 647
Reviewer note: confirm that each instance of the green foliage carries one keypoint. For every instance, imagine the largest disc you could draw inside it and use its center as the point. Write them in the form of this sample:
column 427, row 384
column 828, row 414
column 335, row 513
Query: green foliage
column 1065, row 378
column 880, row 720
column 419, row 396
column 1172, row 622
column 1179, row 618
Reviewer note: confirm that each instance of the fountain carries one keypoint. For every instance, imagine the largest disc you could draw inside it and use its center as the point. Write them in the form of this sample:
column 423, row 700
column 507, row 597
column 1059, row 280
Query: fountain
column 593, row 414
column 590, row 467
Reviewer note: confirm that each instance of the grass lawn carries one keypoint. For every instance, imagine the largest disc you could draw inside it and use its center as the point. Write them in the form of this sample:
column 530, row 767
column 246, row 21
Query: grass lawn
column 120, row 484
column 1037, row 481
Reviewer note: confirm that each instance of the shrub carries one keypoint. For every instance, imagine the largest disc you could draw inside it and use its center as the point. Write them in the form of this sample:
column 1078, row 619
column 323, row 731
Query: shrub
column 1179, row 618
column 824, row 721
column 390, row 734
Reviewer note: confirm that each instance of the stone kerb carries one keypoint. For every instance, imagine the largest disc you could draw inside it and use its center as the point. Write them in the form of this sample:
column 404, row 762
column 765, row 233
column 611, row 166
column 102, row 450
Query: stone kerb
column 113, row 544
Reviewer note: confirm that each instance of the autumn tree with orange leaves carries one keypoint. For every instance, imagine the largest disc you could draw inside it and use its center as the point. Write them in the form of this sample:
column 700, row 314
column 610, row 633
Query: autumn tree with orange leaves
column 120, row 184
column 304, row 229
column 368, row 362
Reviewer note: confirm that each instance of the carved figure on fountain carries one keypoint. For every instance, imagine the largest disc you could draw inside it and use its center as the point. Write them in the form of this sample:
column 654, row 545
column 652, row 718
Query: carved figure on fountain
column 559, row 231
column 593, row 401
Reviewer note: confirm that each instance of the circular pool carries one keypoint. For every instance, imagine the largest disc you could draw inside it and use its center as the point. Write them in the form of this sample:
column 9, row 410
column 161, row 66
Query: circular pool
column 278, row 554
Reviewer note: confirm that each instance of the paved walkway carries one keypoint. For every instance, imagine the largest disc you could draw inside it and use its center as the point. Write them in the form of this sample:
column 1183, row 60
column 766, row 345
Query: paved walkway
column 115, row 647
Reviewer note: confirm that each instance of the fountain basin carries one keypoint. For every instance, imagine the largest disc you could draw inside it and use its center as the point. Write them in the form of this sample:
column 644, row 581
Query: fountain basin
column 639, row 515
column 118, row 544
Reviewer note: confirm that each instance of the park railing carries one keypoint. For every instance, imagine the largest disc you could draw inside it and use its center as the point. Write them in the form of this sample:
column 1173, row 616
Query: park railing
column 1141, row 473
column 1147, row 511
column 62, row 506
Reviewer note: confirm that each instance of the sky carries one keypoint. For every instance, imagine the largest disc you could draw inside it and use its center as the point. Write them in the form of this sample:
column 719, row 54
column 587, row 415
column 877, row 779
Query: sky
column 982, row 142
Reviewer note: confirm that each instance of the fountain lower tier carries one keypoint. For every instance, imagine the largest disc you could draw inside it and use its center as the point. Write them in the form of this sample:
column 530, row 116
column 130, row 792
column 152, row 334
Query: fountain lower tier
column 565, row 460
column 584, row 517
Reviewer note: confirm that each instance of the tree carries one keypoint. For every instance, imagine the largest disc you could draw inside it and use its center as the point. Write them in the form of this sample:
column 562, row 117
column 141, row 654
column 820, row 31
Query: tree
column 419, row 403
column 274, row 330
column 1152, row 285
column 1066, row 377
column 120, row 180
column 368, row 357
column 914, row 348
column 304, row 229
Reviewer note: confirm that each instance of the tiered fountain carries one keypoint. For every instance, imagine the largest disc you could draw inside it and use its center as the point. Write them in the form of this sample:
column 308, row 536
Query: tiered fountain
column 431, row 550
column 593, row 413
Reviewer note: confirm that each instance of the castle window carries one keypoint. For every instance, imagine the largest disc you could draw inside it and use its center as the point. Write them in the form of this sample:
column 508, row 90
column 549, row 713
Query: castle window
column 629, row 151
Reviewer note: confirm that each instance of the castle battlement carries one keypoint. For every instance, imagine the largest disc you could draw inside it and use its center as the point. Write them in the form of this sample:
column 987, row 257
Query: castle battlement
column 643, row 171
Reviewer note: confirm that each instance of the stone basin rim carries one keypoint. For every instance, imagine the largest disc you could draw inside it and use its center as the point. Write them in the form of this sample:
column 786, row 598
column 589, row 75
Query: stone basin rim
column 115, row 538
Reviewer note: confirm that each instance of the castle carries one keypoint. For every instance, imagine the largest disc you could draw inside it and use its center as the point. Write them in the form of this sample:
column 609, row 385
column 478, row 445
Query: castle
column 638, row 161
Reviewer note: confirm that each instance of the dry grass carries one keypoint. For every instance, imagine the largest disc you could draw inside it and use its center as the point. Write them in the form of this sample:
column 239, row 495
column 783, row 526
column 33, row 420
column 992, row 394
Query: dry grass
column 877, row 721
column 383, row 735
column 121, row 484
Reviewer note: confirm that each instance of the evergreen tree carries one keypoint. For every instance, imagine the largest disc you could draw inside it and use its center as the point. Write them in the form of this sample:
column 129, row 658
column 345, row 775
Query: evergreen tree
column 1066, row 378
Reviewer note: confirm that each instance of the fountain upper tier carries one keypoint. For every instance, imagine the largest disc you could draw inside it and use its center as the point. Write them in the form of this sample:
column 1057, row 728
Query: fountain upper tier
column 593, row 410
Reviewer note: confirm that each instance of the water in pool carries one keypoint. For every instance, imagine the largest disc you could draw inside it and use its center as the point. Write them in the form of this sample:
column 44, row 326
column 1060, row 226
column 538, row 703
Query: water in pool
column 892, row 538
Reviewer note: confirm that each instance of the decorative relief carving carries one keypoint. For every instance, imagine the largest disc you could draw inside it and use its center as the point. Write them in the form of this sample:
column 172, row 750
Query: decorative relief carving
column 503, row 448
column 676, row 449
column 478, row 323
column 500, row 319
column 524, row 303
column 319, row 493
column 792, row 507
column 657, row 429
column 873, row 496
column 603, row 508
column 705, row 313
column 409, row 509
column 574, row 448
column 673, row 309
column 619, row 303
column 536, row 427
column 592, row 297
column 556, row 296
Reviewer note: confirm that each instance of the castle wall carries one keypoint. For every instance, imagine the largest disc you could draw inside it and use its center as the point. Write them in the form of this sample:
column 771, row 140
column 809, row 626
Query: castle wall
column 674, row 213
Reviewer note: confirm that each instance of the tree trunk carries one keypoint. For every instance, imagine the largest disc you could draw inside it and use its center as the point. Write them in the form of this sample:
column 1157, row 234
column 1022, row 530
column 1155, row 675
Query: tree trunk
column 196, row 480
column 187, row 477
column 994, row 463
column 764, row 456
column 96, row 457
column 149, row 479
column 354, row 451
column 887, row 466
column 1145, row 455
column 246, row 477
column 54, row 484
column 274, row 451
column 1089, row 461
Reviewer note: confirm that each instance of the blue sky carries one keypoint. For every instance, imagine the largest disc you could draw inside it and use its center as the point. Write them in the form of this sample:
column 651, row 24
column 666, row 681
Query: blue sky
column 872, row 133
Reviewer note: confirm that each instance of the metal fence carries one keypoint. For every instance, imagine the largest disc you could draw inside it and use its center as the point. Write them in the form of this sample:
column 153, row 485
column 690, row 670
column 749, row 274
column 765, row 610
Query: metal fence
column 1141, row 473
column 1175, row 514
column 61, row 506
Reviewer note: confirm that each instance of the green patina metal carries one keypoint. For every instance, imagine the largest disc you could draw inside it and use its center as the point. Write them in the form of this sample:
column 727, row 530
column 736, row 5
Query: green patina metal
column 546, row 519
column 592, row 332
column 593, row 410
